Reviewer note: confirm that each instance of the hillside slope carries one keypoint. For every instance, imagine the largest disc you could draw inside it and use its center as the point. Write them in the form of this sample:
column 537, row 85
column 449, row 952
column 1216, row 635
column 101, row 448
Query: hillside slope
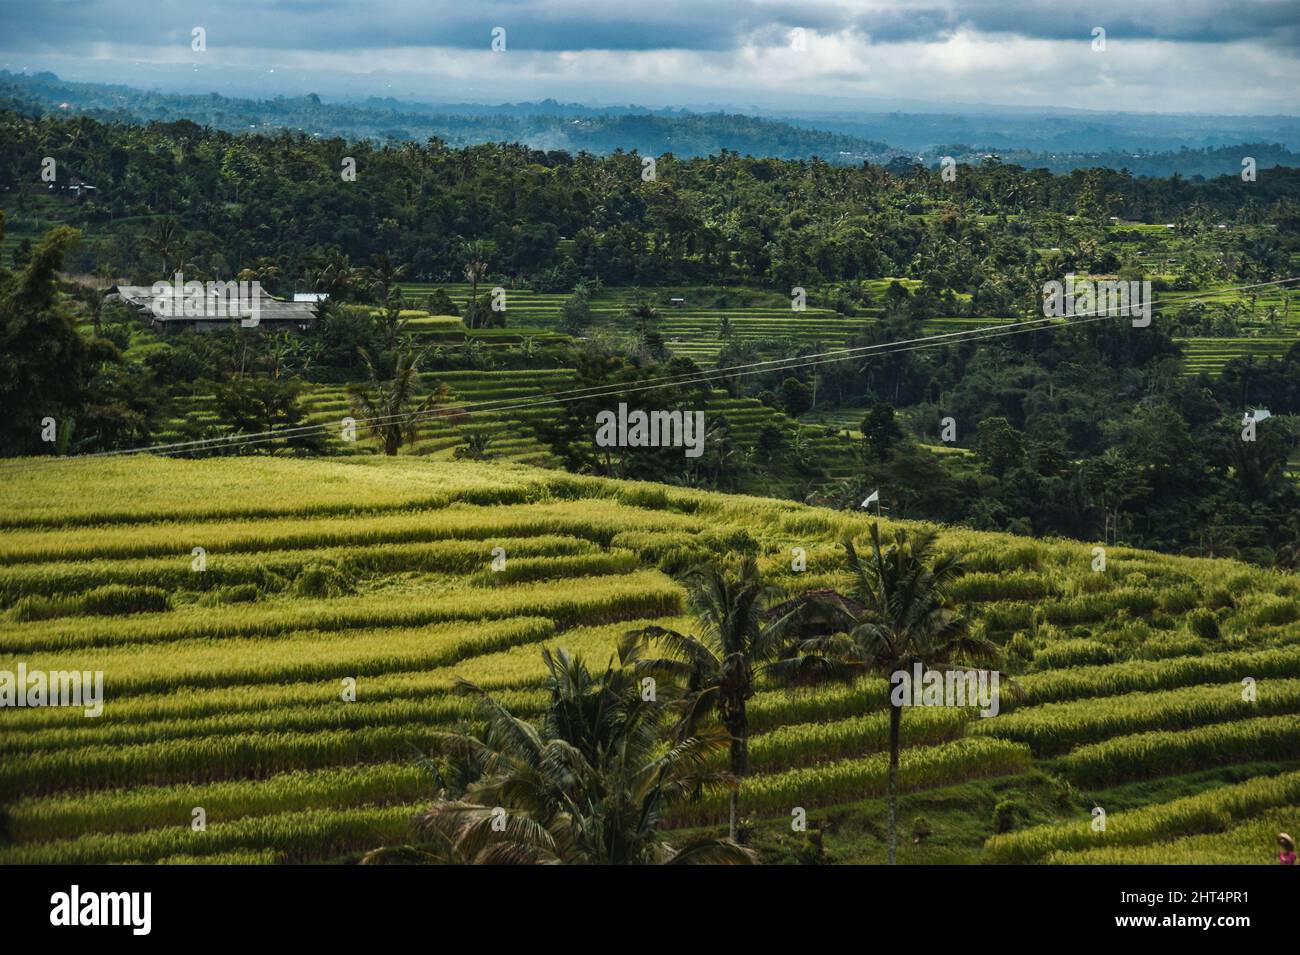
column 225, row 690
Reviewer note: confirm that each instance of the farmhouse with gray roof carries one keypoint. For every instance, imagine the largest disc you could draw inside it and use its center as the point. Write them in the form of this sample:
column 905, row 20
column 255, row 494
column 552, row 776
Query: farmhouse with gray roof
column 167, row 311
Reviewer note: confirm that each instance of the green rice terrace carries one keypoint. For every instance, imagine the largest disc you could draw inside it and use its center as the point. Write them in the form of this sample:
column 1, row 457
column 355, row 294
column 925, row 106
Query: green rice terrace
column 1162, row 691
column 508, row 423
column 1267, row 322
column 504, row 407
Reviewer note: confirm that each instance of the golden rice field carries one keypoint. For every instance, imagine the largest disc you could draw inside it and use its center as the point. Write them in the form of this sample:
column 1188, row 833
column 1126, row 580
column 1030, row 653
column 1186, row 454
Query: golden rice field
column 224, row 686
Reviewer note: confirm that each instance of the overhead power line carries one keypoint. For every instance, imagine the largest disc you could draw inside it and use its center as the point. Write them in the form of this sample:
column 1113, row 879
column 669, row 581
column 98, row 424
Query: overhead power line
column 982, row 333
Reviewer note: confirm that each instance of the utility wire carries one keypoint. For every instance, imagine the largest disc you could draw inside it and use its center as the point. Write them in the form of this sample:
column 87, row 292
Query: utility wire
column 960, row 336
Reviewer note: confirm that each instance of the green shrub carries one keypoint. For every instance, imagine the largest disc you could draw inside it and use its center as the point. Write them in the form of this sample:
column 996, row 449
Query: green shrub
column 1004, row 558
column 1240, row 583
column 652, row 545
column 1099, row 606
column 1204, row 623
column 1128, row 636
column 1179, row 599
column 1021, row 646
column 812, row 851
column 1009, row 814
column 322, row 580
column 648, row 497
column 1091, row 583
column 1219, row 598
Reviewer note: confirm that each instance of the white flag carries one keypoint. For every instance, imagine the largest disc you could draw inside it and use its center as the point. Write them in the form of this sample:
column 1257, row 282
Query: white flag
column 873, row 496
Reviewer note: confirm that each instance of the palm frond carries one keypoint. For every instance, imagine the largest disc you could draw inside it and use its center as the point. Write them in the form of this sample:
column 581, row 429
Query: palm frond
column 708, row 851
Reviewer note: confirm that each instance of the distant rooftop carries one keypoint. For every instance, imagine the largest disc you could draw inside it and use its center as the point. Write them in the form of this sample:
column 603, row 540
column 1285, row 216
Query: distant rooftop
column 221, row 303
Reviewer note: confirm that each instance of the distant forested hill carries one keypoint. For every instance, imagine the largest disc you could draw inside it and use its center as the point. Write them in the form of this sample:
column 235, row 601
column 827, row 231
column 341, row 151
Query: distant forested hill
column 1205, row 163
column 685, row 134
column 1147, row 145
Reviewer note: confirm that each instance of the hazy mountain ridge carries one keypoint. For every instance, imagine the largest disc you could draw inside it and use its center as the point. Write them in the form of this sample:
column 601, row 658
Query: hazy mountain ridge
column 1060, row 143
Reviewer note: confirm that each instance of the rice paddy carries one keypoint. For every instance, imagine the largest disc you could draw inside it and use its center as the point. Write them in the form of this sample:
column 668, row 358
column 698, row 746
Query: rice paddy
column 288, row 683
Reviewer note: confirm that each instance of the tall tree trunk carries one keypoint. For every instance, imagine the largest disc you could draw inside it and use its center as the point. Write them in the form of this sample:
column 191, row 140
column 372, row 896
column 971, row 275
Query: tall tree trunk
column 895, row 718
column 738, row 727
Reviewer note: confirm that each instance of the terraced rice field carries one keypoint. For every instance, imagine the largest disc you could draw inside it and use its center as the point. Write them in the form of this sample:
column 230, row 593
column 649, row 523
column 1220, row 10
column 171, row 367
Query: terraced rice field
column 1209, row 355
column 507, row 407
column 689, row 329
column 224, row 687
column 693, row 331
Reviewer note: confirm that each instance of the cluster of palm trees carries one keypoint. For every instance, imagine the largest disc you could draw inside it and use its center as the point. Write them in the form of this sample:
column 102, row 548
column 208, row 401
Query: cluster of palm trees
column 592, row 784
column 596, row 780
column 330, row 271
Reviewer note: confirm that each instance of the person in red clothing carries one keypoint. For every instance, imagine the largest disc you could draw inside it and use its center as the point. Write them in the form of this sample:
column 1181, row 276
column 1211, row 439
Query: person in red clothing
column 1287, row 855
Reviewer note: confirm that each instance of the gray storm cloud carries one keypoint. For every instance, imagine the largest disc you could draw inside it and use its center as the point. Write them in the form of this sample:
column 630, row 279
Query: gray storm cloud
column 1174, row 55
column 571, row 25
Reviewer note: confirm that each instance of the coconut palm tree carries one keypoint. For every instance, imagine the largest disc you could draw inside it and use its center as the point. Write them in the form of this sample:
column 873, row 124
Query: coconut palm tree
column 896, row 614
column 530, row 347
column 388, row 406
column 643, row 315
column 591, row 784
column 390, row 321
column 475, row 449
column 332, row 272
column 382, row 277
column 265, row 271
column 720, row 667
column 168, row 241
column 475, row 272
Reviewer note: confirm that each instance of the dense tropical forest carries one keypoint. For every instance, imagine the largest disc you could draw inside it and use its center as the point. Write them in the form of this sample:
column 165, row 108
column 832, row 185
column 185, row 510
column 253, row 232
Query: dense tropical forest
column 1096, row 431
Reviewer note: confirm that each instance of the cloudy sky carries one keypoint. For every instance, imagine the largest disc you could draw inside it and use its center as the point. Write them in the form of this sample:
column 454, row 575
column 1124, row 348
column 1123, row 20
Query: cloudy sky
column 1204, row 56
